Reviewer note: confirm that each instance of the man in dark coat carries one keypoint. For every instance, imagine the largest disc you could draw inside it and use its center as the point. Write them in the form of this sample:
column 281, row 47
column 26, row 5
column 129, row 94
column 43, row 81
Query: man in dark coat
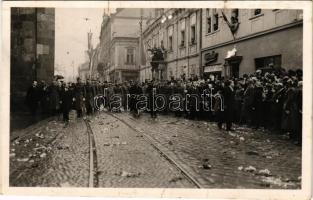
column 257, row 105
column 79, row 98
column 89, row 94
column 33, row 98
column 66, row 103
column 229, row 100
column 54, row 98
column 248, row 98
column 152, row 91
column 135, row 90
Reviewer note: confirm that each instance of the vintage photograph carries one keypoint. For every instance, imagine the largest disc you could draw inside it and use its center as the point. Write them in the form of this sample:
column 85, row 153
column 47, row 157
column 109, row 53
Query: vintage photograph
column 156, row 97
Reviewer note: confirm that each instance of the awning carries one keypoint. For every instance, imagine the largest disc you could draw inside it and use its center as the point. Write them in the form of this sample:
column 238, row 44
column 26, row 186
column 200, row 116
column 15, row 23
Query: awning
column 213, row 68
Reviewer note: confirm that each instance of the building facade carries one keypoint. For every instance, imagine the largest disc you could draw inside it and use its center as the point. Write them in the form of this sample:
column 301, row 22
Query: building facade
column 119, row 44
column 263, row 38
column 222, row 42
column 32, row 48
column 177, row 31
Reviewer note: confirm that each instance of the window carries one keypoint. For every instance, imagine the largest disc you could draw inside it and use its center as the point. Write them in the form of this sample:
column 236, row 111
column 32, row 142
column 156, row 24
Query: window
column 193, row 29
column 182, row 33
column 193, row 34
column 161, row 39
column 170, row 43
column 215, row 24
column 209, row 25
column 212, row 20
column 170, row 38
column 257, row 12
column 270, row 61
column 182, row 42
column 130, row 56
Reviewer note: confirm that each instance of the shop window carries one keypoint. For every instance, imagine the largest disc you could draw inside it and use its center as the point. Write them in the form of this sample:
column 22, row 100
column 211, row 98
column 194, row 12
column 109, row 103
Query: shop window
column 267, row 62
column 130, row 56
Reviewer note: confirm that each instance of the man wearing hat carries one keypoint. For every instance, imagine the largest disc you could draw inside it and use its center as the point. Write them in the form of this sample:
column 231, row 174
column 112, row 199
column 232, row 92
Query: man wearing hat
column 229, row 100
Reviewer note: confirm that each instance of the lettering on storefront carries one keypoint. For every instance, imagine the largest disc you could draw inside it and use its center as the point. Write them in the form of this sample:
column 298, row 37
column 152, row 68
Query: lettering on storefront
column 210, row 57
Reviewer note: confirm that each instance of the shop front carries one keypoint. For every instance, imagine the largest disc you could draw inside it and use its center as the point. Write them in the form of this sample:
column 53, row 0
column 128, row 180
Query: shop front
column 212, row 70
column 256, row 53
column 211, row 65
column 232, row 66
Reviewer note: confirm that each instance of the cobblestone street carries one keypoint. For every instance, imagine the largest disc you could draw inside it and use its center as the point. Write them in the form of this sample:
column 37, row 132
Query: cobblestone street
column 245, row 158
column 167, row 152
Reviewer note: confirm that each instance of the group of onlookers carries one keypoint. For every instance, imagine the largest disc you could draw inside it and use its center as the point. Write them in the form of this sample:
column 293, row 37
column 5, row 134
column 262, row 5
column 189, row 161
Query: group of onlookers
column 272, row 99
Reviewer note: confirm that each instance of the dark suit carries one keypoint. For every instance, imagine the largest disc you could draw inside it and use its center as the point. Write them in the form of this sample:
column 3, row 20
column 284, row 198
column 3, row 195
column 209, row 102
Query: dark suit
column 66, row 97
column 228, row 113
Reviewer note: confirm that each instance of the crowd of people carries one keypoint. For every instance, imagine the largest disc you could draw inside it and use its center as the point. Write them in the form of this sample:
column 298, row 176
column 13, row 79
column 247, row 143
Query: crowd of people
column 272, row 99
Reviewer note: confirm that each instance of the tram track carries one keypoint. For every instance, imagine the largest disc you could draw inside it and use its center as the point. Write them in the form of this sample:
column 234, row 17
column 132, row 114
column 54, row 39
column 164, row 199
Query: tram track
column 158, row 147
column 93, row 163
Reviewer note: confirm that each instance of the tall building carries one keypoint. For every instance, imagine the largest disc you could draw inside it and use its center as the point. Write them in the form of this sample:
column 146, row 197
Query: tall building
column 119, row 44
column 32, row 48
column 263, row 38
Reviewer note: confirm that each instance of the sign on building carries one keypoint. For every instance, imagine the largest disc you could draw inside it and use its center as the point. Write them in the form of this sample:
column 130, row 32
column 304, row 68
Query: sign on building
column 213, row 68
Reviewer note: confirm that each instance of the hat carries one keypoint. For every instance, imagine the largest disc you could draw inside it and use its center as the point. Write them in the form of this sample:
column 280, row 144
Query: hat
column 285, row 78
column 289, row 81
column 300, row 83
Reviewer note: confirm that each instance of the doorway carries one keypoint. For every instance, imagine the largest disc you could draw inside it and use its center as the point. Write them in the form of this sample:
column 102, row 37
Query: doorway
column 234, row 70
column 233, row 63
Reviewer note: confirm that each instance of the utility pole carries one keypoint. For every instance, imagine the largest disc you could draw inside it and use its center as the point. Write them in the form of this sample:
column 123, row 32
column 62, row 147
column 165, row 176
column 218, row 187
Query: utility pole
column 140, row 41
column 90, row 52
column 90, row 48
column 73, row 71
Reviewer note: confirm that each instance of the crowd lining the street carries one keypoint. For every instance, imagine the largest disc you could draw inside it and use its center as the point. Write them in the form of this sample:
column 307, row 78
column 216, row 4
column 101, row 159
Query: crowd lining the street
column 272, row 99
